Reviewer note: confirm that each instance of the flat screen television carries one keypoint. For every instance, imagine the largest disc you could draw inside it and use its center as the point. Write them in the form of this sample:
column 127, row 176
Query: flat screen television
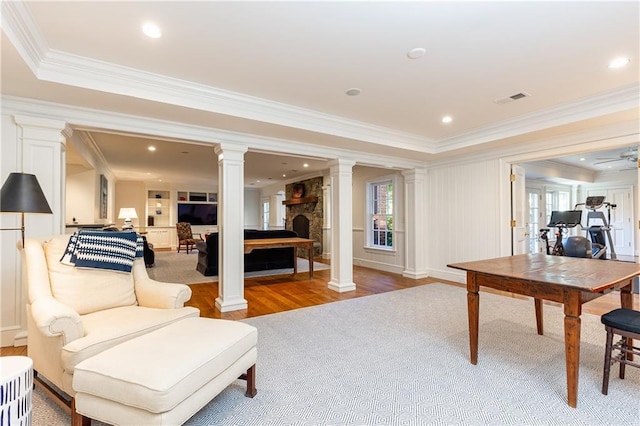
column 198, row 213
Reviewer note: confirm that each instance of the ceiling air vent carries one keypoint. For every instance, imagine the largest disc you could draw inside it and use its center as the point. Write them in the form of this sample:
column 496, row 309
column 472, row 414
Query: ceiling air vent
column 511, row 98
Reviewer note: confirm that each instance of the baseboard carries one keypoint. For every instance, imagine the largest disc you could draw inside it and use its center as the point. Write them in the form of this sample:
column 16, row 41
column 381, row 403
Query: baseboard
column 458, row 277
column 379, row 266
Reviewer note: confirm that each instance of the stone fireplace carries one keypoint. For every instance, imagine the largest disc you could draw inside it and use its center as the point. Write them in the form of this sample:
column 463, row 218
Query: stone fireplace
column 304, row 210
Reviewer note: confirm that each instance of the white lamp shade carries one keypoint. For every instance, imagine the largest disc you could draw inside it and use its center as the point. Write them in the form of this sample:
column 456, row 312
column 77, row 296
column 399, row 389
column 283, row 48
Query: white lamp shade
column 127, row 213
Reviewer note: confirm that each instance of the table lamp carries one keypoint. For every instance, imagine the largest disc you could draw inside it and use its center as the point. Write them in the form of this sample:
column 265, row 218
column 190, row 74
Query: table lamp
column 21, row 193
column 127, row 213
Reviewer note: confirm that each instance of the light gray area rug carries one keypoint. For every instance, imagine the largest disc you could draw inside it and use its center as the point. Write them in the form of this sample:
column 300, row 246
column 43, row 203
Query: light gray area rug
column 402, row 358
column 174, row 267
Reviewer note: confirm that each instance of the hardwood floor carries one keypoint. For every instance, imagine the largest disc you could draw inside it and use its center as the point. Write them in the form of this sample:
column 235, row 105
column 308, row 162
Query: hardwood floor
column 269, row 295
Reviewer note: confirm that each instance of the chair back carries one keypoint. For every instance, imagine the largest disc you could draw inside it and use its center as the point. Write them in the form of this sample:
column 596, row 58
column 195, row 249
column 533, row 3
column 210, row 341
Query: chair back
column 86, row 290
column 184, row 230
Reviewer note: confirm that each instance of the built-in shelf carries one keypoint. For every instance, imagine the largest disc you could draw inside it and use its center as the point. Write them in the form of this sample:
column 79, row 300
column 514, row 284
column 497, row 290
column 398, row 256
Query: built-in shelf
column 305, row 200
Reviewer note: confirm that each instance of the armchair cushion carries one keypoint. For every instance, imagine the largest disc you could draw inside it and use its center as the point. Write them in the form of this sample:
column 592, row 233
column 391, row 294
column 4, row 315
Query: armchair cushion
column 86, row 290
column 108, row 328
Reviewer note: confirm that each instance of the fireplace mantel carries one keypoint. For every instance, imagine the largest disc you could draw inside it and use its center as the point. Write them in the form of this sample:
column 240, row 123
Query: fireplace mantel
column 305, row 200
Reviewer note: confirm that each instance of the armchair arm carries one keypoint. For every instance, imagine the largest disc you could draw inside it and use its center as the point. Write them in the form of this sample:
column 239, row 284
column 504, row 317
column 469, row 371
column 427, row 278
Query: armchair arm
column 193, row 235
column 156, row 294
column 53, row 318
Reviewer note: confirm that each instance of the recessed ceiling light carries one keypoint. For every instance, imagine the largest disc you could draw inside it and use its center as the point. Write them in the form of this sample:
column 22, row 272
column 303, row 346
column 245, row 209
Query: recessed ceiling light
column 619, row 63
column 305, row 165
column 583, row 159
column 447, row 119
column 284, row 175
column 353, row 92
column 151, row 148
column 151, row 30
column 417, row 52
column 258, row 181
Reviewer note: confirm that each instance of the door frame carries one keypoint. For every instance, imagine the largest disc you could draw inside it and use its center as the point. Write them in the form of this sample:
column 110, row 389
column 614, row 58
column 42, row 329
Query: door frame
column 504, row 187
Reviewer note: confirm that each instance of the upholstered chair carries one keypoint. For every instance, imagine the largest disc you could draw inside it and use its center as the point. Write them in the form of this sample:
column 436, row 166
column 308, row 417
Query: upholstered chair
column 186, row 238
column 75, row 313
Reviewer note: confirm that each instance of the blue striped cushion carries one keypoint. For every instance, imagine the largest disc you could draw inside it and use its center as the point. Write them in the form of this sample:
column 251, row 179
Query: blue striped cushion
column 103, row 250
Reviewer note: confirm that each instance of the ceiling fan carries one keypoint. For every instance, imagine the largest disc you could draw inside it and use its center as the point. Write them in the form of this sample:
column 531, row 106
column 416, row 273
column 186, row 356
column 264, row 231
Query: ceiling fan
column 631, row 155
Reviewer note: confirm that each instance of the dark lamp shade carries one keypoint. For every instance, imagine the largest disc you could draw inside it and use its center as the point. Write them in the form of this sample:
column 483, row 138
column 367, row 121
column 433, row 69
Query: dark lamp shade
column 21, row 193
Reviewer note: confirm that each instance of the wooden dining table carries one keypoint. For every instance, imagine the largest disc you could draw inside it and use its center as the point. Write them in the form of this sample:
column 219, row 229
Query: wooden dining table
column 567, row 280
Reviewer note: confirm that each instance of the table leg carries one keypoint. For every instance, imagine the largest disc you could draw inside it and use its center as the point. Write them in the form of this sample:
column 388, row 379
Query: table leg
column 310, row 250
column 626, row 301
column 539, row 318
column 572, row 310
column 473, row 307
column 295, row 260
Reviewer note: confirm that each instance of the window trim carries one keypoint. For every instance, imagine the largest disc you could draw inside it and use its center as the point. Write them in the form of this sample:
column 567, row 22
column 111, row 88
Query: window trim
column 368, row 239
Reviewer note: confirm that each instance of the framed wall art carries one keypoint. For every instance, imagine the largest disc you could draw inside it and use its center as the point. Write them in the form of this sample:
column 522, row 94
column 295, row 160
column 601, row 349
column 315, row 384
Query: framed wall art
column 104, row 196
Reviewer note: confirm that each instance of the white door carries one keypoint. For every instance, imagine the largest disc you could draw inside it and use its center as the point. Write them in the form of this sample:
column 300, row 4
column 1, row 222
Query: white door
column 620, row 218
column 519, row 212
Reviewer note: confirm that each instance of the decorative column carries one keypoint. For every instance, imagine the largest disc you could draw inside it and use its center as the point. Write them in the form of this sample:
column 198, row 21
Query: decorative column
column 44, row 154
column 231, row 228
column 415, row 203
column 326, row 222
column 341, row 225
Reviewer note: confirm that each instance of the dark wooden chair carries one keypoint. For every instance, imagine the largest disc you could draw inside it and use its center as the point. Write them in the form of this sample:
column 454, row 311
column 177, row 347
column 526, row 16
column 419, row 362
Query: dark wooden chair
column 186, row 238
column 625, row 323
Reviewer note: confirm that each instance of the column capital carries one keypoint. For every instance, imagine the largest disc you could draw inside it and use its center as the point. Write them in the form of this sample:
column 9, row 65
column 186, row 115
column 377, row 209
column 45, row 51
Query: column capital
column 417, row 173
column 341, row 164
column 231, row 149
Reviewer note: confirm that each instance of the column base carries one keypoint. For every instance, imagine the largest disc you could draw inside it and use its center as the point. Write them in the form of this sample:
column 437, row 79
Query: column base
column 231, row 304
column 341, row 287
column 415, row 274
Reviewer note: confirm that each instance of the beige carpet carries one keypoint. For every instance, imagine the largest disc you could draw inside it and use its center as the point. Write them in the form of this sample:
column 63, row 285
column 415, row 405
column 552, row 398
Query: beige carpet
column 174, row 267
column 402, row 358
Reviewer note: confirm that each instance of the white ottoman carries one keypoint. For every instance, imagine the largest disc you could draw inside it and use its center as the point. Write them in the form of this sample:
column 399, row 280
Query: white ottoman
column 166, row 376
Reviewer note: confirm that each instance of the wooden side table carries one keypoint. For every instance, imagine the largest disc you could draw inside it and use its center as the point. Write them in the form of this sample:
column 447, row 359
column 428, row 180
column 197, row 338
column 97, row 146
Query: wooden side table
column 16, row 374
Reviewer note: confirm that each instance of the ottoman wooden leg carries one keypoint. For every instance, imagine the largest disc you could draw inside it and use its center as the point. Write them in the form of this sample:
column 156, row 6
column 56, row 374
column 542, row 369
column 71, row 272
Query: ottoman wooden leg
column 78, row 419
column 251, row 382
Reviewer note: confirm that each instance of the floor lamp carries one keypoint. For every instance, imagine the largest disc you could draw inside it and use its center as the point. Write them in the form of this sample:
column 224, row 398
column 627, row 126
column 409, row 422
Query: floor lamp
column 21, row 193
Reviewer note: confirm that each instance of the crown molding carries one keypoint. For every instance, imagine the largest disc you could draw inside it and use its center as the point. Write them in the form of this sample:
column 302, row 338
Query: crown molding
column 620, row 99
column 611, row 136
column 65, row 68
column 20, row 28
column 106, row 121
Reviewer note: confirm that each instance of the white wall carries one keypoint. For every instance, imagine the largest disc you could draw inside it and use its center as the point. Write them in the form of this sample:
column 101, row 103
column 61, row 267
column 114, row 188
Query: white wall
column 80, row 198
column 463, row 215
column 131, row 194
column 252, row 209
column 10, row 293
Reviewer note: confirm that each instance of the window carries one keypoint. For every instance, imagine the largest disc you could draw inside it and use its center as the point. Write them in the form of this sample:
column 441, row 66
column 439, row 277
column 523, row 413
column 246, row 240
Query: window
column 557, row 200
column 265, row 214
column 380, row 214
column 534, row 220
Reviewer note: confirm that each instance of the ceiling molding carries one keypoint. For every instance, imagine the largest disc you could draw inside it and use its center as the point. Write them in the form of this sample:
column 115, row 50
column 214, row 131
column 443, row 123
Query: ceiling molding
column 604, row 137
column 620, row 99
column 19, row 26
column 65, row 68
column 97, row 120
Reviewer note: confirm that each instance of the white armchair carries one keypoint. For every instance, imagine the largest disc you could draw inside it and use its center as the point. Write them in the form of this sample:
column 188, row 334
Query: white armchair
column 75, row 313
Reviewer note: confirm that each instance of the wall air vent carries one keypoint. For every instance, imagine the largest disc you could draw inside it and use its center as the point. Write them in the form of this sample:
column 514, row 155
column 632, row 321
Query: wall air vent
column 511, row 98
